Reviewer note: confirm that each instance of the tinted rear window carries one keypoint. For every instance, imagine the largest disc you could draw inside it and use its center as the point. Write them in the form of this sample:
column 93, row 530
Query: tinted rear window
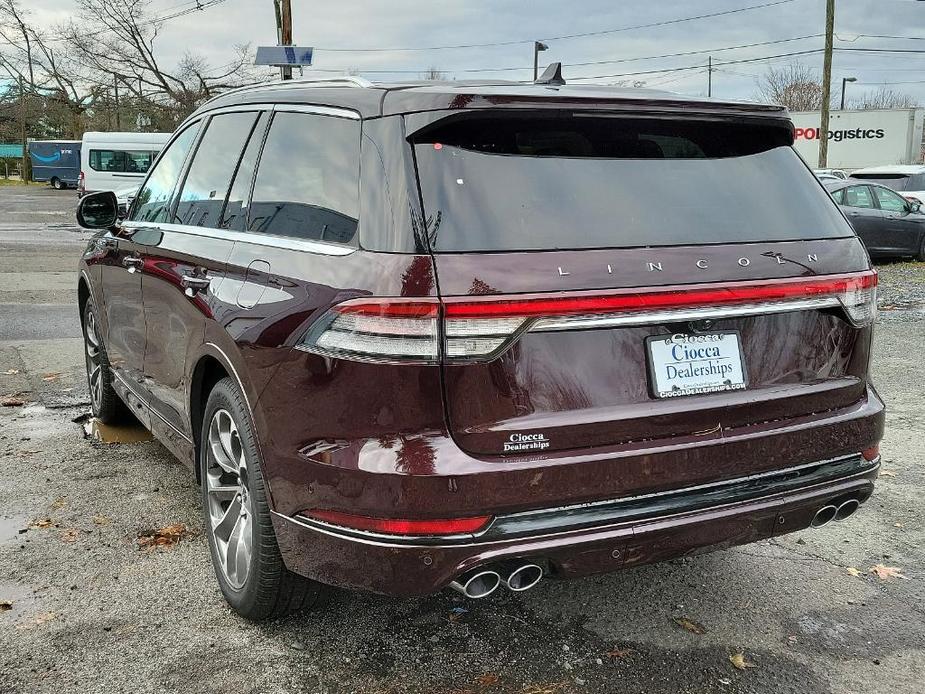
column 597, row 182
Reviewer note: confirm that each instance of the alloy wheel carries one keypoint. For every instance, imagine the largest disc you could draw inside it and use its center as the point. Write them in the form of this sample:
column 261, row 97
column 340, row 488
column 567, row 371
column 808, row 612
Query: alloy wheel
column 229, row 502
column 94, row 362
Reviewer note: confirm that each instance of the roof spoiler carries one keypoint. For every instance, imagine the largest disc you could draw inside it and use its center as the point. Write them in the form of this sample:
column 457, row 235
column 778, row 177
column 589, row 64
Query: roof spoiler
column 551, row 75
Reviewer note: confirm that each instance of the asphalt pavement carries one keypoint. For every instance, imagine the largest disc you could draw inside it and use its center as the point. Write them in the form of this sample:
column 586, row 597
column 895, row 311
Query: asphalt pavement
column 88, row 605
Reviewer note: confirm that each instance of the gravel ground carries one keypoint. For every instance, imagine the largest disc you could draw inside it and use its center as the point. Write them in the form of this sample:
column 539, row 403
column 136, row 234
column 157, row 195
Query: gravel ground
column 90, row 610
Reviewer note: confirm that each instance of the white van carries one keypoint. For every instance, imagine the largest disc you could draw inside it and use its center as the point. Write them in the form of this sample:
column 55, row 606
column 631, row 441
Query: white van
column 114, row 161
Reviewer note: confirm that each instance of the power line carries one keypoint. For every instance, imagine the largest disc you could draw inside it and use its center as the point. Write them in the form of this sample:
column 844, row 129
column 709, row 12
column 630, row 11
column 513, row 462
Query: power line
column 562, row 37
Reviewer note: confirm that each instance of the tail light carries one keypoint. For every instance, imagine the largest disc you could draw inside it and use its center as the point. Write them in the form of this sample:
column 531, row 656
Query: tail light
column 481, row 328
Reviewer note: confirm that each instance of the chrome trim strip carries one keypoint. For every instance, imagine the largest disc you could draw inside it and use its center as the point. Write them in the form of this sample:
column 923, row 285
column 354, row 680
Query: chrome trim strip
column 150, row 409
column 236, row 378
column 317, row 110
column 252, row 238
column 678, row 315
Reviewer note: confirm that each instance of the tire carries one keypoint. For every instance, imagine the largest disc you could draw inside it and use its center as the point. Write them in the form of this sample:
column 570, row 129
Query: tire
column 57, row 184
column 106, row 404
column 252, row 577
column 920, row 256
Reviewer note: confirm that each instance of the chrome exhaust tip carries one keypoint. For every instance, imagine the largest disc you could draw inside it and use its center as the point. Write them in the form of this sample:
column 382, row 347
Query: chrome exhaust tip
column 824, row 515
column 523, row 577
column 478, row 583
column 846, row 509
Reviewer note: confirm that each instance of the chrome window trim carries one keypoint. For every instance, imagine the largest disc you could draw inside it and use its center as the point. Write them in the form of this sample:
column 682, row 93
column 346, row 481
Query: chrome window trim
column 249, row 237
column 317, row 110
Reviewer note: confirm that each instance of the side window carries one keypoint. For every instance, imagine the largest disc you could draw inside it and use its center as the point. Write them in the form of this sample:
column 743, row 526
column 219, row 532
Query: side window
column 120, row 161
column 209, row 176
column 859, row 196
column 308, row 178
column 890, row 201
column 235, row 214
column 154, row 197
column 839, row 196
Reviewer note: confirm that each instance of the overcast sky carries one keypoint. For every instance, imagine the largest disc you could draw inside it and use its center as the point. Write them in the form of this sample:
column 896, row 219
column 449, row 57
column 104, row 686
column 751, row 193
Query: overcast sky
column 392, row 24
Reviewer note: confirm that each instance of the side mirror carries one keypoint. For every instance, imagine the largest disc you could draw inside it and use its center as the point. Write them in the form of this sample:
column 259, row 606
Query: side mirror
column 98, row 210
column 914, row 207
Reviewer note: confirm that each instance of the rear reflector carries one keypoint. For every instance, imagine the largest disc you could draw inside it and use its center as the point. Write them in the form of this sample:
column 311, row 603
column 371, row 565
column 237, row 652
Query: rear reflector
column 396, row 526
column 481, row 328
column 871, row 453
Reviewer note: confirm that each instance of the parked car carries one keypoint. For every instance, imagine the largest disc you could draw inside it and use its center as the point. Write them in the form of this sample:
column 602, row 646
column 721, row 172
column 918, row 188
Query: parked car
column 112, row 161
column 887, row 223
column 907, row 180
column 825, row 178
column 436, row 335
column 834, row 173
column 56, row 162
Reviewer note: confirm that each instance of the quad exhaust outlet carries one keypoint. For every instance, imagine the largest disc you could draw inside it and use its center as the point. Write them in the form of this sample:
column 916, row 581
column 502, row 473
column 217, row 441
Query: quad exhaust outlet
column 838, row 512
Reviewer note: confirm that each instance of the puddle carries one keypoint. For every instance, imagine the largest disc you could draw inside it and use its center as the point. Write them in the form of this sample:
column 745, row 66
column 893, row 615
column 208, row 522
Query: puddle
column 133, row 433
column 15, row 601
column 10, row 526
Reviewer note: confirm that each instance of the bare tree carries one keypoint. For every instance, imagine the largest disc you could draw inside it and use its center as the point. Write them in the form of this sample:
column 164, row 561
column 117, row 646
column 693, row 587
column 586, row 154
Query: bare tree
column 795, row 86
column 116, row 39
column 434, row 75
column 55, row 91
column 884, row 98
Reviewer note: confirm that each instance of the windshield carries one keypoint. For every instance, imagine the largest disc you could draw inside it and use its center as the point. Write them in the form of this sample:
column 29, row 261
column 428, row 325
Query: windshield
column 598, row 182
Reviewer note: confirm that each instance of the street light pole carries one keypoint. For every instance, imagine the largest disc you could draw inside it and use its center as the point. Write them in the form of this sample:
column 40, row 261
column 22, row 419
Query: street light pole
column 826, row 83
column 845, row 81
column 537, row 47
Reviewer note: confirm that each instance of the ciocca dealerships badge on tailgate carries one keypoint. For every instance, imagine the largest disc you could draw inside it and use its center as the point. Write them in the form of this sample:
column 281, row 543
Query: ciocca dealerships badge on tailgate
column 690, row 364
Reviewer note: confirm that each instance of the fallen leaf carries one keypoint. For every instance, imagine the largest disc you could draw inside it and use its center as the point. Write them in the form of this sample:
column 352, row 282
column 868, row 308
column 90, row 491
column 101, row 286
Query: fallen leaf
column 11, row 401
column 38, row 620
column 5, row 606
column 167, row 536
column 885, row 572
column 102, row 520
column 739, row 662
column 549, row 688
column 898, row 525
column 69, row 535
column 618, row 652
column 11, row 372
column 852, row 571
column 51, row 377
column 887, row 473
column 690, row 625
column 59, row 503
column 489, row 679
column 42, row 523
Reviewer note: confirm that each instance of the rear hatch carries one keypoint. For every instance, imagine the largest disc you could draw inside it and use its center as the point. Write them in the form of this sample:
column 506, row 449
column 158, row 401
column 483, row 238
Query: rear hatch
column 621, row 281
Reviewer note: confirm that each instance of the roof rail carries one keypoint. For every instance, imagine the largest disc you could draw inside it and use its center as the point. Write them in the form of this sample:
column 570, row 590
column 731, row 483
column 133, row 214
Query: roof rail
column 346, row 79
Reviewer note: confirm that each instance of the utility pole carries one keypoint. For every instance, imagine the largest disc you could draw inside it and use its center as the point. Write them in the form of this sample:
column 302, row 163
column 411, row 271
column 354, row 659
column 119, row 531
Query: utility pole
column 115, row 84
column 826, row 83
column 710, row 75
column 22, row 129
column 284, row 31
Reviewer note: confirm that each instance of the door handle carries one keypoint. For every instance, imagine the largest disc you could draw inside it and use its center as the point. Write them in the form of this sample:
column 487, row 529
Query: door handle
column 133, row 263
column 193, row 284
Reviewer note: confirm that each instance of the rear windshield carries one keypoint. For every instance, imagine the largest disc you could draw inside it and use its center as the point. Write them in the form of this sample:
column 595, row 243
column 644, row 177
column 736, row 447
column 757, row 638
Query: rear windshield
column 579, row 181
column 895, row 181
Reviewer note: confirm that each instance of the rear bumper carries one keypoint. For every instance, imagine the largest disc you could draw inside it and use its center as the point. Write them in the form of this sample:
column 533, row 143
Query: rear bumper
column 761, row 508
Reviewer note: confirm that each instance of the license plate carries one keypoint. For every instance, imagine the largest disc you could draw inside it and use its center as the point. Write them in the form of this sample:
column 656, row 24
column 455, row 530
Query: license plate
column 692, row 364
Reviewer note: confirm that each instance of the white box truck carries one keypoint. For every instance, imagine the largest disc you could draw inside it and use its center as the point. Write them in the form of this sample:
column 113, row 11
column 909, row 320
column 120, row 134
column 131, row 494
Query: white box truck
column 858, row 139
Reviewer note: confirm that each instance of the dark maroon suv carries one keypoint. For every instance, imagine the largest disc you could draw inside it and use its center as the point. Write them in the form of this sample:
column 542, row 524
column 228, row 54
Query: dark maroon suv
column 414, row 336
